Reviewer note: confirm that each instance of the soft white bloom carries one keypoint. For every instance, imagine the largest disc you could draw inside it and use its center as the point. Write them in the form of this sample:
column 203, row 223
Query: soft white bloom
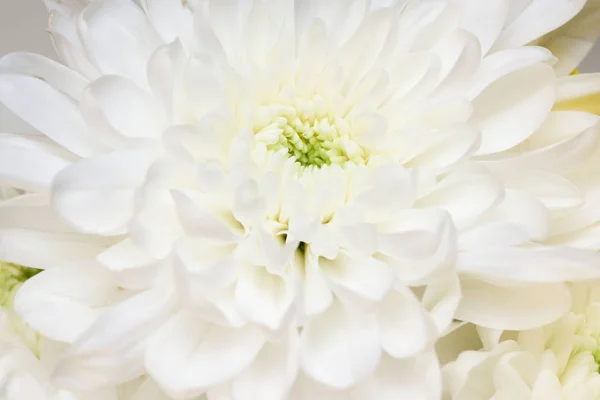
column 24, row 376
column 559, row 361
column 272, row 199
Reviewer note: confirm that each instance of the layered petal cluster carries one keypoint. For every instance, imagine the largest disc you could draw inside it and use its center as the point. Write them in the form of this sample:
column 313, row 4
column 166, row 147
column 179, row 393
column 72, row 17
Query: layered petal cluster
column 557, row 361
column 26, row 375
column 294, row 199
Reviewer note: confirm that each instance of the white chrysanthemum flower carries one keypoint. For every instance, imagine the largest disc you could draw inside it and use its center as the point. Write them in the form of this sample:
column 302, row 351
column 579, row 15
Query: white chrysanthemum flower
column 557, row 361
column 271, row 199
column 26, row 376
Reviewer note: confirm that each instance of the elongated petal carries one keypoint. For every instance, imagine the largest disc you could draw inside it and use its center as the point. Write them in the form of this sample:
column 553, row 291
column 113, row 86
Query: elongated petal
column 513, row 107
column 75, row 296
column 48, row 111
column 63, row 79
column 119, row 37
column 549, row 14
column 512, row 308
column 531, row 265
column 29, row 163
column 51, row 249
column 97, row 194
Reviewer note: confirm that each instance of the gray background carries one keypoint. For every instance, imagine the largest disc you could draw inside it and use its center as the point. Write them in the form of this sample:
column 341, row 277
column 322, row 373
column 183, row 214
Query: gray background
column 23, row 27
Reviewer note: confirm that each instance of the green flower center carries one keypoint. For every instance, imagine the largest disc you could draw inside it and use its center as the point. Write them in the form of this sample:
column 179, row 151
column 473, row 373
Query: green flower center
column 11, row 277
column 308, row 132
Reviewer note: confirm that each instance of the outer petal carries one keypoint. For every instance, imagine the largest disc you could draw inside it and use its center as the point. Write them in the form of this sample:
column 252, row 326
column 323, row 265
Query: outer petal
column 29, row 163
column 63, row 79
column 51, row 249
column 97, row 195
column 112, row 349
column 358, row 278
column 512, row 308
column 119, row 38
column 546, row 265
column 188, row 355
column 272, row 373
column 128, row 109
column 172, row 20
column 340, row 347
column 264, row 298
column 548, row 14
column 48, row 111
column 406, row 329
column 416, row 378
column 73, row 296
column 513, row 107
column 485, row 20
column 579, row 92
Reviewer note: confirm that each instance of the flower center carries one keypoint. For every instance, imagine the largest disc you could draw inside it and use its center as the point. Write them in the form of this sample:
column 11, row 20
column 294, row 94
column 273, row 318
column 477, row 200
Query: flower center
column 11, row 277
column 308, row 132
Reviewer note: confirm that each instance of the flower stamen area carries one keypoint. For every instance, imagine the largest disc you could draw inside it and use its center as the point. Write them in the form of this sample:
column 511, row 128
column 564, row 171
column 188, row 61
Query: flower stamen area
column 308, row 132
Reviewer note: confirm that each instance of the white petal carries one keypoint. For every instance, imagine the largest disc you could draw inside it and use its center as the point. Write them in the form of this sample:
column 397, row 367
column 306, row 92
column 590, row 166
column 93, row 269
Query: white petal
column 112, row 349
column 512, row 308
column 172, row 20
column 549, row 14
column 29, row 163
column 20, row 386
column 51, row 249
column 264, row 298
column 187, row 355
column 272, row 373
column 97, row 194
column 416, row 378
column 406, row 329
column 31, row 211
column 207, row 300
column 128, row 109
column 501, row 63
column 63, row 79
column 340, row 347
column 65, row 7
column 119, row 38
column 577, row 86
column 124, row 256
column 561, row 126
column 200, row 220
column 455, row 145
column 212, row 264
column 466, row 195
column 358, row 278
column 517, row 220
column 386, row 189
column 552, row 190
column 484, row 20
column 513, row 107
column 71, row 55
column 317, row 296
column 545, row 265
column 75, row 296
column 48, row 111
column 165, row 76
